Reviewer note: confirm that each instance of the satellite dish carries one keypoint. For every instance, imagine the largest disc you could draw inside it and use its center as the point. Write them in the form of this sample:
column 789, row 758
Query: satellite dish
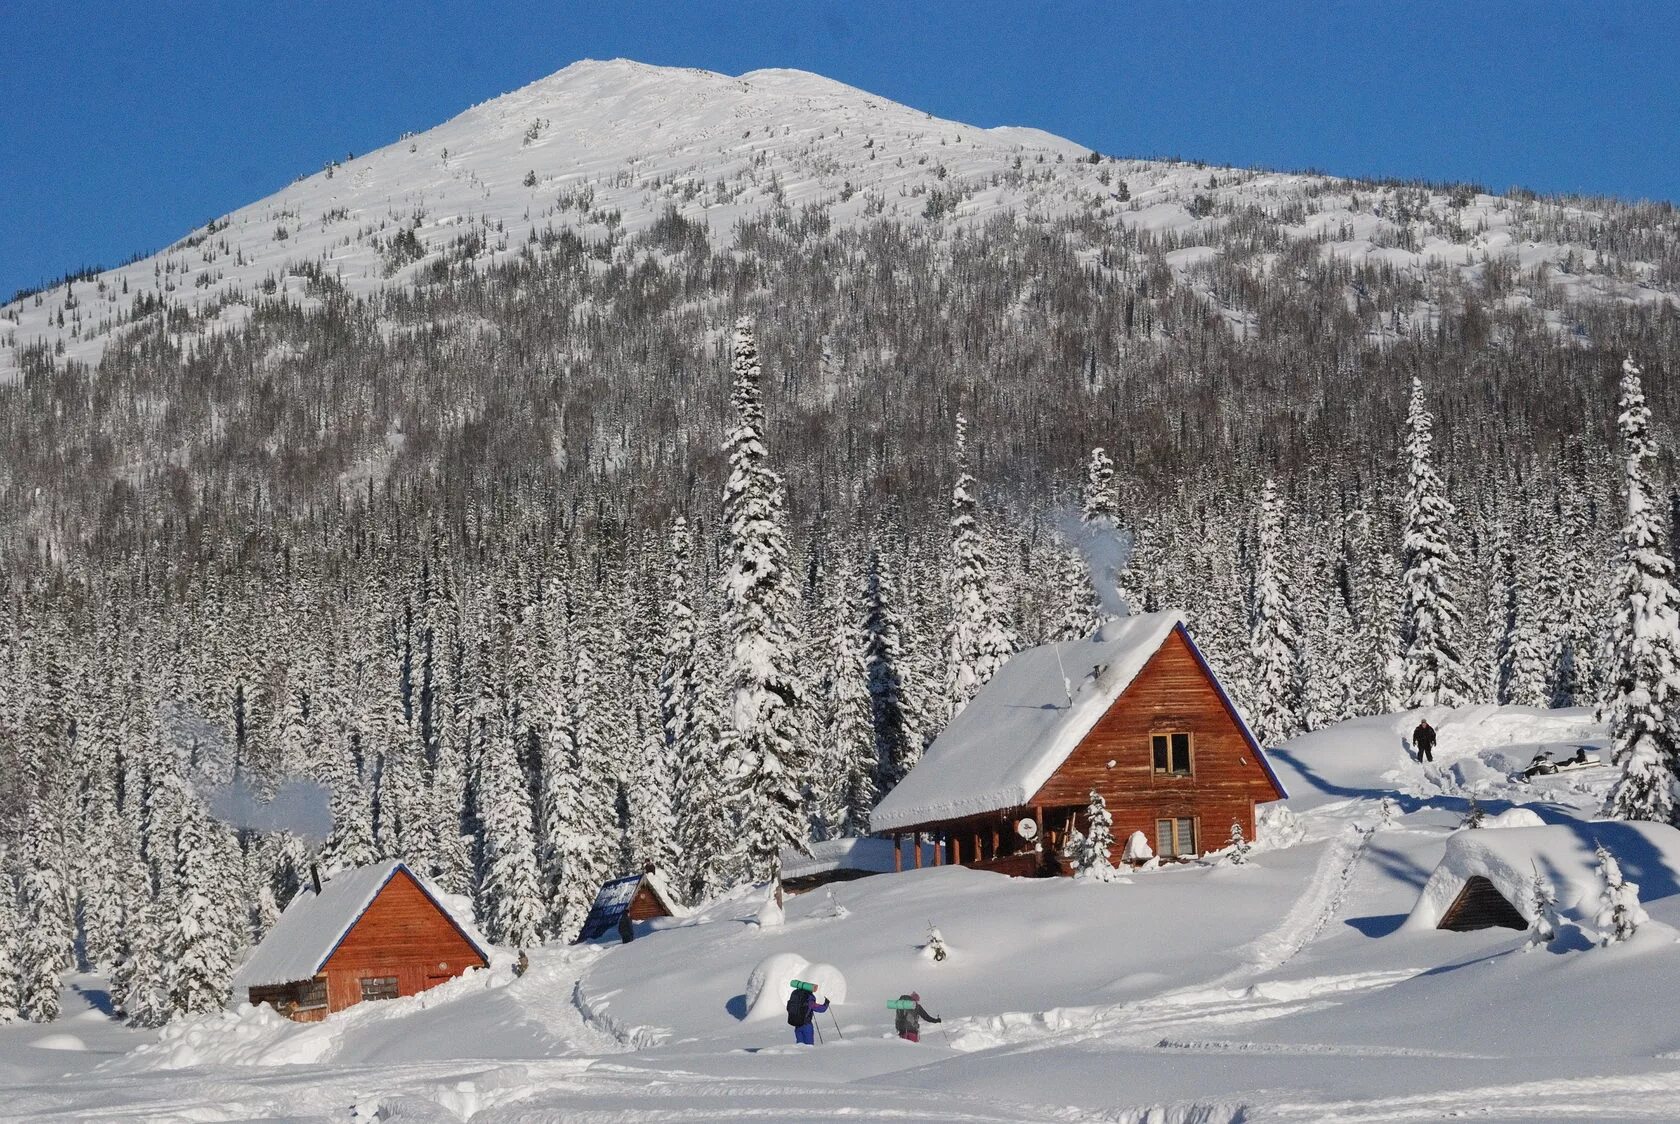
column 1027, row 829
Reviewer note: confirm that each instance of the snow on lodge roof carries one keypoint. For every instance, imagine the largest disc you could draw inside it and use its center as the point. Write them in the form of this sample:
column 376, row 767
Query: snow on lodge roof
column 1013, row 736
column 313, row 925
column 1562, row 854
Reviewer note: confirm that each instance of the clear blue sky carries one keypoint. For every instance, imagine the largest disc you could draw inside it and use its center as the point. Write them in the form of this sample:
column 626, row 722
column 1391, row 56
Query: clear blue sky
column 124, row 125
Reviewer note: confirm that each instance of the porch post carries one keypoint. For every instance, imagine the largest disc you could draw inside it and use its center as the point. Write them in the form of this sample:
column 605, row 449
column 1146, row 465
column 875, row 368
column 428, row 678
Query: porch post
column 898, row 853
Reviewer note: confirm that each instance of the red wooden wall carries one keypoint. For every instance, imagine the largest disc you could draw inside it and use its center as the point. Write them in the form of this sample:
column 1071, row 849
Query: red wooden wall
column 1171, row 693
column 402, row 934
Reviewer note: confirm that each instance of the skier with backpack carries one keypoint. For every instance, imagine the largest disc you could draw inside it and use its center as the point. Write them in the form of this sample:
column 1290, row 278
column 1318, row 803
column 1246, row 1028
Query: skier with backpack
column 802, row 1005
column 908, row 1017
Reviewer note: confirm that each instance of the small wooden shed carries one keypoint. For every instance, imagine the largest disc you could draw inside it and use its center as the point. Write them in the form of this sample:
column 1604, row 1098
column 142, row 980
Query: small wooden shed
column 643, row 896
column 1133, row 712
column 374, row 932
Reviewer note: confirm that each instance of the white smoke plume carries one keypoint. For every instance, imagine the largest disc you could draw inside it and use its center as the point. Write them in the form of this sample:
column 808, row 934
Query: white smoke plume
column 1107, row 551
column 303, row 808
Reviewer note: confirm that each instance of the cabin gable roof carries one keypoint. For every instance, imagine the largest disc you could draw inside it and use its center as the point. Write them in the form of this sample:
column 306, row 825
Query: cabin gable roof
column 314, row 926
column 1023, row 724
column 1174, row 690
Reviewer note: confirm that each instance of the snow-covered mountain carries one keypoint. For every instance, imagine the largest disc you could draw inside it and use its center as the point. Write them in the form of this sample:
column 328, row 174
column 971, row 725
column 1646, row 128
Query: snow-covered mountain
column 609, row 147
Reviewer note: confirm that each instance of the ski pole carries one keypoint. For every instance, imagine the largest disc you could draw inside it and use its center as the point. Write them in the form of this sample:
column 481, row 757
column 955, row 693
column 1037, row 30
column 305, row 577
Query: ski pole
column 837, row 1029
column 817, row 1026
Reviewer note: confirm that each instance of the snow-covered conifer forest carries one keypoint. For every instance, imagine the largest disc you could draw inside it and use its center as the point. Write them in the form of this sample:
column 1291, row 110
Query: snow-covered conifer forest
column 641, row 468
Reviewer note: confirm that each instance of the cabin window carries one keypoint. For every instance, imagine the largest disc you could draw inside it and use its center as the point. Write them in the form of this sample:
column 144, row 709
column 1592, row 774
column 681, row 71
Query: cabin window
column 1172, row 753
column 312, row 994
column 1175, row 838
column 379, row 987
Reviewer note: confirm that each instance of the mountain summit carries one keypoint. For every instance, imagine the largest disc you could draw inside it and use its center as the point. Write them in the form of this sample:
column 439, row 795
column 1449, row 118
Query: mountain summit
column 605, row 147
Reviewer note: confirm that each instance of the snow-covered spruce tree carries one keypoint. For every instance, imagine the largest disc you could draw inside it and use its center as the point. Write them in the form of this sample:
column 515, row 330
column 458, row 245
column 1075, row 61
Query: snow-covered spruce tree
column 894, row 716
column 1092, row 858
column 844, row 723
column 200, row 960
column 766, row 758
column 1238, row 847
column 1433, row 674
column 510, row 896
column 568, row 874
column 977, row 642
column 679, row 683
column 704, row 824
column 1619, row 913
column 1644, row 679
column 45, row 953
column 1275, row 640
column 9, row 937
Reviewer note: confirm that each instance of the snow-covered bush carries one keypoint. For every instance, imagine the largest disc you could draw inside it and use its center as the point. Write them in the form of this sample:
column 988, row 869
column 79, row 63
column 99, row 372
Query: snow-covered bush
column 935, row 947
column 1619, row 911
column 1388, row 814
column 1474, row 817
column 1543, row 928
column 1238, row 849
column 1276, row 826
column 770, row 914
column 1137, row 849
column 1089, row 853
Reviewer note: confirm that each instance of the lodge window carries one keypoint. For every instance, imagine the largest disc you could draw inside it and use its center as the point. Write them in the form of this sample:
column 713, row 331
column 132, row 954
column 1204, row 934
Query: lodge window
column 1172, row 753
column 312, row 994
column 379, row 987
column 1175, row 838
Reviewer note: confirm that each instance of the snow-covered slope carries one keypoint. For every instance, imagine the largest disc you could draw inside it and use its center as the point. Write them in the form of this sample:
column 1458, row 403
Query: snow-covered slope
column 1288, row 988
column 605, row 148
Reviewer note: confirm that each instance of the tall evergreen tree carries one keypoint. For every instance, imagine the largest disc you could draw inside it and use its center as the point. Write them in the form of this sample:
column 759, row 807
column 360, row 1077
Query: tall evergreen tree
column 10, row 999
column 767, row 761
column 977, row 641
column 200, row 961
column 46, row 955
column 893, row 712
column 1275, row 640
column 1645, row 657
column 1433, row 673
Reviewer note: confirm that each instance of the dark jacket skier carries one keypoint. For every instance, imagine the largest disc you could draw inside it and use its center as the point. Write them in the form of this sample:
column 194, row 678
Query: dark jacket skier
column 802, row 1005
column 1423, row 740
column 626, row 928
column 908, row 1022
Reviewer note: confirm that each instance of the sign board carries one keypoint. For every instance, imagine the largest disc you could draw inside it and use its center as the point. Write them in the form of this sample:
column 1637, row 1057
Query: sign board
column 612, row 902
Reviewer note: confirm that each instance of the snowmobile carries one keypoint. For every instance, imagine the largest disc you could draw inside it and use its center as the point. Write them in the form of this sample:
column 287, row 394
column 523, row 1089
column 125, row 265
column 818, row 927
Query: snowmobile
column 1544, row 765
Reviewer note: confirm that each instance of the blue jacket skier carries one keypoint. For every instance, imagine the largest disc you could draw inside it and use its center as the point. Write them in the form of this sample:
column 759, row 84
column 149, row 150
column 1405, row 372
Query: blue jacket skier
column 802, row 1006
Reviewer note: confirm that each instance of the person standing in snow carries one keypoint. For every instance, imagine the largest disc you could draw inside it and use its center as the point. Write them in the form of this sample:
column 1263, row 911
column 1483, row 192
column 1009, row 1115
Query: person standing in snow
column 908, row 1021
column 1423, row 740
column 626, row 928
column 802, row 1007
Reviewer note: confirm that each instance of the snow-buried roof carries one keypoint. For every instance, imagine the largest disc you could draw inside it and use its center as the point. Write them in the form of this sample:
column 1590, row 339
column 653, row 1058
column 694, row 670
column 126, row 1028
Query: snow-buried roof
column 1010, row 739
column 1649, row 854
column 310, row 929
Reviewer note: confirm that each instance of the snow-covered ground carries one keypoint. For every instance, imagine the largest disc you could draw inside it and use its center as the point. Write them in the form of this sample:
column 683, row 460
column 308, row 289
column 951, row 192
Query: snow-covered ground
column 1285, row 989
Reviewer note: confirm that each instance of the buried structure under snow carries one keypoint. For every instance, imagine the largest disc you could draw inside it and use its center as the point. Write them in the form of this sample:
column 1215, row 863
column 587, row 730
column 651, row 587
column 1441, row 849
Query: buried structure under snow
column 375, row 932
column 1133, row 712
column 1486, row 876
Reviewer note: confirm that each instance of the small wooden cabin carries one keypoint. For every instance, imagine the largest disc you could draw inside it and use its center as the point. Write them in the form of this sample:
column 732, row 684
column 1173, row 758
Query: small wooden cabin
column 643, row 896
column 1133, row 712
column 375, row 932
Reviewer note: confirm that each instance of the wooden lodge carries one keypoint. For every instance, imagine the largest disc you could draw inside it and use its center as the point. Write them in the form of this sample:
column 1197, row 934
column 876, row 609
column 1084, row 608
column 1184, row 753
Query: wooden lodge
column 375, row 932
column 1134, row 713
